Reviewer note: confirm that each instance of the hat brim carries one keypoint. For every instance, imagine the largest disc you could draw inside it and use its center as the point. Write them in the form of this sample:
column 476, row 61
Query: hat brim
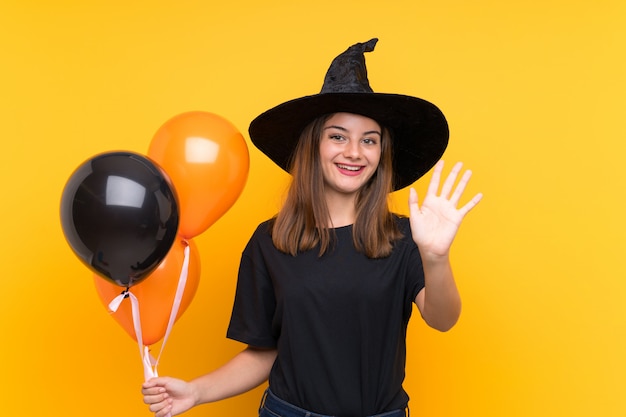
column 419, row 129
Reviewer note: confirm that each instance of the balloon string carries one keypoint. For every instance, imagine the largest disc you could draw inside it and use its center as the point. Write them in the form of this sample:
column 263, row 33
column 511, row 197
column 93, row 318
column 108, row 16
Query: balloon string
column 180, row 290
column 144, row 352
column 149, row 363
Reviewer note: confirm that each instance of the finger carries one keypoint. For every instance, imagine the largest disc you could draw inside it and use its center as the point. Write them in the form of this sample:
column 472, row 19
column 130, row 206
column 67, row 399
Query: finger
column 155, row 399
column 158, row 407
column 451, row 179
column 412, row 196
column 435, row 179
column 460, row 188
column 152, row 390
column 162, row 408
column 153, row 382
column 413, row 203
column 166, row 412
column 471, row 204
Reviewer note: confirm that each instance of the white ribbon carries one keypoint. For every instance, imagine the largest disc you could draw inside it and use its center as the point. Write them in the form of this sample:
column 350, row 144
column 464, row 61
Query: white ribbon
column 180, row 290
column 149, row 362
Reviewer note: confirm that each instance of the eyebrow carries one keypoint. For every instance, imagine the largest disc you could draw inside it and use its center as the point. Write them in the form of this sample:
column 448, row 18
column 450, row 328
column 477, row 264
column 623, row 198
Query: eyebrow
column 369, row 132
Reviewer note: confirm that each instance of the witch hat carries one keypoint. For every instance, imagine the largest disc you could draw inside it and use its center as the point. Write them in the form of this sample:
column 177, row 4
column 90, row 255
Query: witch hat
column 418, row 128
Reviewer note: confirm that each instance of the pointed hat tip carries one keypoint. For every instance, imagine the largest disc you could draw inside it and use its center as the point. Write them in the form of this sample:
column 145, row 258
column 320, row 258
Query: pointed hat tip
column 369, row 45
column 347, row 72
column 361, row 47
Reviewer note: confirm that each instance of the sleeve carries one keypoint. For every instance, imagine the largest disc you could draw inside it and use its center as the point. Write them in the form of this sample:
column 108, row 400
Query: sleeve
column 415, row 281
column 255, row 303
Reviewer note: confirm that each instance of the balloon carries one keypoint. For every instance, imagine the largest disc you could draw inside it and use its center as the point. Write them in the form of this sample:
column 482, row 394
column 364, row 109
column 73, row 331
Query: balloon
column 119, row 214
column 207, row 159
column 155, row 294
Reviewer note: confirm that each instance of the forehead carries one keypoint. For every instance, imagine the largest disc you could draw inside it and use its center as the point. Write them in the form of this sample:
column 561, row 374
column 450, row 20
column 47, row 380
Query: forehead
column 352, row 121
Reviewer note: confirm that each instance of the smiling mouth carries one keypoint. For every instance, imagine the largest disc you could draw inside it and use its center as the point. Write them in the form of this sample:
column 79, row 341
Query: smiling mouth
column 351, row 168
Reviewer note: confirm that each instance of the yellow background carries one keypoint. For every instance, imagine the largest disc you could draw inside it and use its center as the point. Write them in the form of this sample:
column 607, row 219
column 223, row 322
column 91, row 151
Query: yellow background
column 535, row 94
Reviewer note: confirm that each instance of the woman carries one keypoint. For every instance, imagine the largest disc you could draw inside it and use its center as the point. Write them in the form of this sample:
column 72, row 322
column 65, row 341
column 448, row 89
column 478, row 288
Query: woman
column 326, row 288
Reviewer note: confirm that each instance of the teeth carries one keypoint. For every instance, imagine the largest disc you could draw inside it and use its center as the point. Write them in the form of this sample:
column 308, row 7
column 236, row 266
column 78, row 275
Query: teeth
column 349, row 168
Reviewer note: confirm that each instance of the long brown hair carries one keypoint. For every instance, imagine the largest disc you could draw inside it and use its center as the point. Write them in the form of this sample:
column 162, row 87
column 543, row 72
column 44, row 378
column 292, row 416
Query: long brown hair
column 303, row 221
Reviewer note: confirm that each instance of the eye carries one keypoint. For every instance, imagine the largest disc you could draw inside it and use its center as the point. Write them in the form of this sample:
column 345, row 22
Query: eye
column 336, row 137
column 369, row 141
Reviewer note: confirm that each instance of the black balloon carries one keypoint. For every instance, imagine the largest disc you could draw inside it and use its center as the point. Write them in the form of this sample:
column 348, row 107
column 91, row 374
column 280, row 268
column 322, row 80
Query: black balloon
column 119, row 214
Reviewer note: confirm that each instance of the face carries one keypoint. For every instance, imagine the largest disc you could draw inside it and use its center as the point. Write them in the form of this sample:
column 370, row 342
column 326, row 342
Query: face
column 350, row 149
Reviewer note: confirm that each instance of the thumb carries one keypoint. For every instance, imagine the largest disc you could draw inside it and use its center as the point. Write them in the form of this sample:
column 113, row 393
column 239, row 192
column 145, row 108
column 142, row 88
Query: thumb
column 413, row 200
column 155, row 381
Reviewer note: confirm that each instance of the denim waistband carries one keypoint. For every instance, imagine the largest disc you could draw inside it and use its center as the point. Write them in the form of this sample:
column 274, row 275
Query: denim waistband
column 285, row 409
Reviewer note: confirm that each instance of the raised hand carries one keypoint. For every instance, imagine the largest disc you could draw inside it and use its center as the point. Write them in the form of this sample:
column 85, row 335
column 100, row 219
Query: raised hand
column 434, row 223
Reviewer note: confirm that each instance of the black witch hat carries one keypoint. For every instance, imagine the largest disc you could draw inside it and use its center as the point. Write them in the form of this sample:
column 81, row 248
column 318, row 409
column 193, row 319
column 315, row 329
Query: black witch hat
column 419, row 129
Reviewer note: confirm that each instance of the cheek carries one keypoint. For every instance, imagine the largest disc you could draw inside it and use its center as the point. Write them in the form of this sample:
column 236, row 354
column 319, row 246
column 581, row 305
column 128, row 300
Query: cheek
column 324, row 150
column 374, row 156
column 324, row 159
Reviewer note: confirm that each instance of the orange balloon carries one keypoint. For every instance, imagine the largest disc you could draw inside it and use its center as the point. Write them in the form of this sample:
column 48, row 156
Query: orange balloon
column 155, row 294
column 207, row 160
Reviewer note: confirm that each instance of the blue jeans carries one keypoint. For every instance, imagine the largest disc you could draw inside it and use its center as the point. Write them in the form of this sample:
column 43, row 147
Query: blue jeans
column 272, row 406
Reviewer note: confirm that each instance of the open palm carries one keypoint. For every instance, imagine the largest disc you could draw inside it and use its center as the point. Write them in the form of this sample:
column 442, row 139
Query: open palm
column 434, row 223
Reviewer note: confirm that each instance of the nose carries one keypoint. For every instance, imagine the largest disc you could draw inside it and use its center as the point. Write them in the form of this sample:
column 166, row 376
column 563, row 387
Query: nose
column 352, row 150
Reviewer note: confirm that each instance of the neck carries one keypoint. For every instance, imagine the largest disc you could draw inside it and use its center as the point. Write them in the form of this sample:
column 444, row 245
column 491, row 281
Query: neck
column 341, row 208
